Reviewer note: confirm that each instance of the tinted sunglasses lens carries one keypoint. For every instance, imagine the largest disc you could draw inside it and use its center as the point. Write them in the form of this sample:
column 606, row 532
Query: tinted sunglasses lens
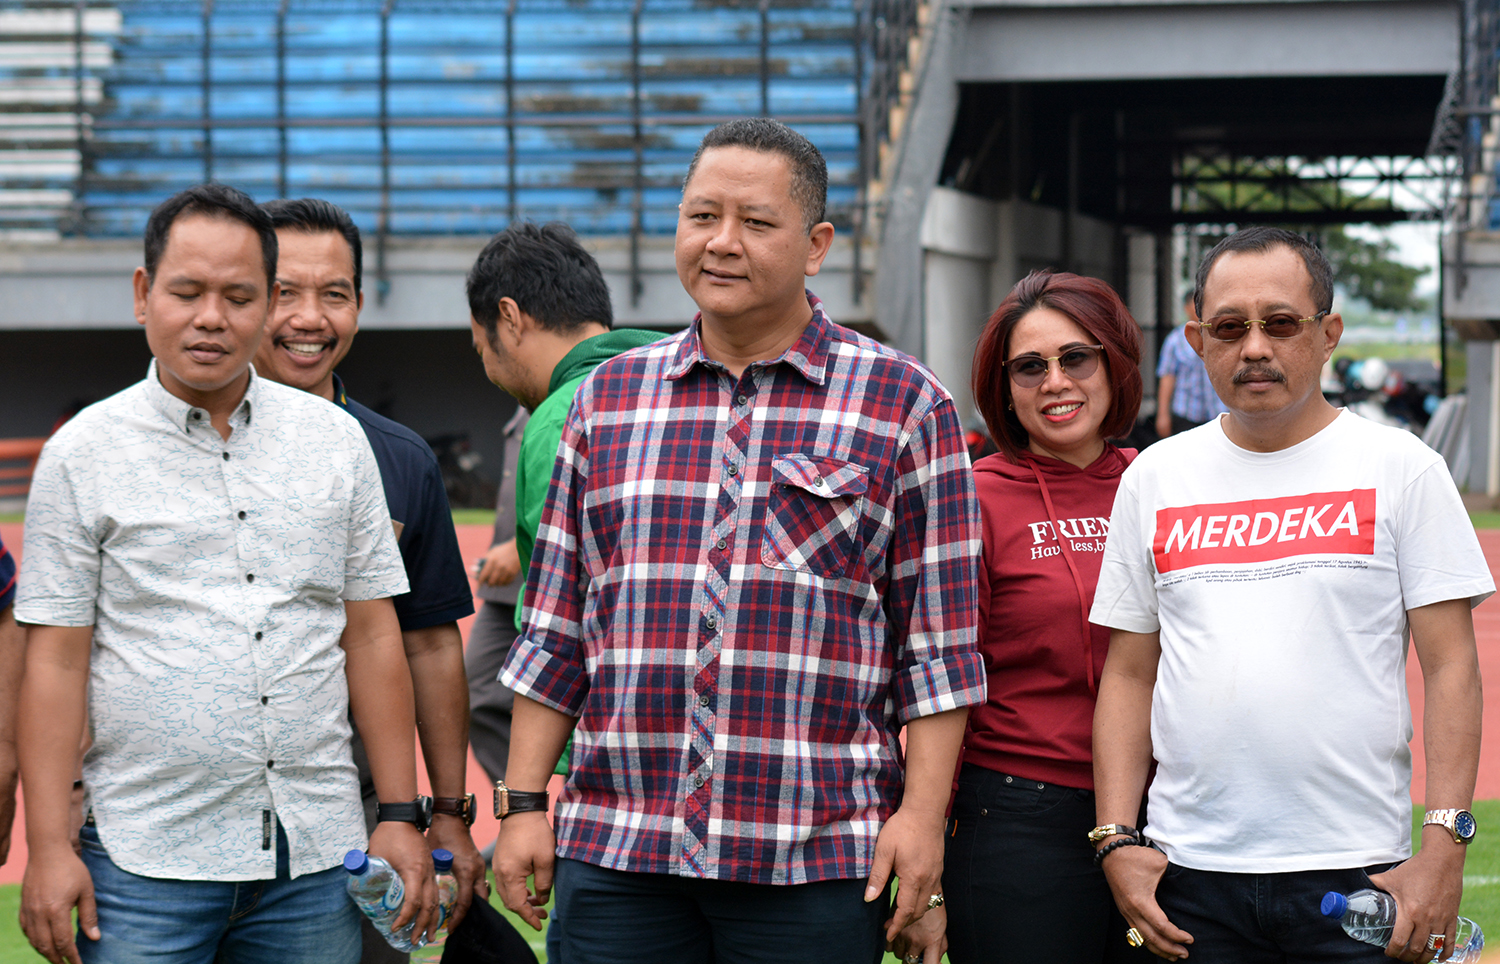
column 1027, row 372
column 1228, row 330
column 1080, row 362
column 1282, row 327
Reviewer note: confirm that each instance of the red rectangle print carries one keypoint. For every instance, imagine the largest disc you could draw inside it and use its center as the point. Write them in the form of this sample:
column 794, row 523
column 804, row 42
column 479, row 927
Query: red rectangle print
column 1260, row 529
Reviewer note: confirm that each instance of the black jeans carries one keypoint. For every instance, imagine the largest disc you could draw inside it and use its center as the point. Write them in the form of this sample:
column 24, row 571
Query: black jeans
column 1264, row 918
column 1019, row 875
column 620, row 917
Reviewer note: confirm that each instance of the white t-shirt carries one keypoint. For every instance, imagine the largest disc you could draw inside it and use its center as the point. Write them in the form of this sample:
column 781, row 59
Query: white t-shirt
column 1280, row 584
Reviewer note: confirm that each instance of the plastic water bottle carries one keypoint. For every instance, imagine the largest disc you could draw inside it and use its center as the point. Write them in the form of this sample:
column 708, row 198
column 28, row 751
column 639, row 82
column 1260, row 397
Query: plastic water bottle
column 447, row 886
column 1369, row 915
column 377, row 891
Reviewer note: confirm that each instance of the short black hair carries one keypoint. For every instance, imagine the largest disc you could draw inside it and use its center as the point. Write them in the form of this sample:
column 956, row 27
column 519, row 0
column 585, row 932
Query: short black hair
column 215, row 201
column 549, row 274
column 313, row 215
column 1260, row 239
column 809, row 169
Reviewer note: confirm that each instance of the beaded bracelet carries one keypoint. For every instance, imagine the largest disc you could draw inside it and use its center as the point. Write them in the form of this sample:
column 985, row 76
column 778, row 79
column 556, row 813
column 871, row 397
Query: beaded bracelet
column 1114, row 845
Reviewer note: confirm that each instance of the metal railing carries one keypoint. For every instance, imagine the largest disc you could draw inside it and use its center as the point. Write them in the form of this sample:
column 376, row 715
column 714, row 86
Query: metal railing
column 427, row 117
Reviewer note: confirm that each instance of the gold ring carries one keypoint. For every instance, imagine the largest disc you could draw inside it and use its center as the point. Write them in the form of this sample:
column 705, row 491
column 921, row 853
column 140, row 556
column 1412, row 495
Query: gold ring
column 1435, row 942
column 936, row 900
column 1133, row 938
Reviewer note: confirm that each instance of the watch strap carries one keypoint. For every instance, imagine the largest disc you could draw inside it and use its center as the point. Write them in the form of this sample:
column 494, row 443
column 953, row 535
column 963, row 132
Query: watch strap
column 462, row 807
column 416, row 812
column 1451, row 819
column 509, row 802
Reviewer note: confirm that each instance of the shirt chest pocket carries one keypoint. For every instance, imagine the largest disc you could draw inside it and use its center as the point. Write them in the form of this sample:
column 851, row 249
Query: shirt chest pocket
column 813, row 511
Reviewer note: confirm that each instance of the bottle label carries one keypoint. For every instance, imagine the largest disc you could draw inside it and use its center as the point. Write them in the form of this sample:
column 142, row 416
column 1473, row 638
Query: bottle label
column 394, row 895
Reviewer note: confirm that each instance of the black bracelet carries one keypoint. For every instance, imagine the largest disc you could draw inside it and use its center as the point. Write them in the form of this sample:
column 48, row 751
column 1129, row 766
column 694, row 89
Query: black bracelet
column 1114, row 845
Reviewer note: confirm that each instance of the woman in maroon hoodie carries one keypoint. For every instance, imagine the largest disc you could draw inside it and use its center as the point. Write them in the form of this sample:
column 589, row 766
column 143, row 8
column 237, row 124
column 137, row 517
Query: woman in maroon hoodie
column 1056, row 374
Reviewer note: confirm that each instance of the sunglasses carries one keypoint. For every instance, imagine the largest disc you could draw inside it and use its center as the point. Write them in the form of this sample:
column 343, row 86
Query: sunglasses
column 1276, row 326
column 1029, row 371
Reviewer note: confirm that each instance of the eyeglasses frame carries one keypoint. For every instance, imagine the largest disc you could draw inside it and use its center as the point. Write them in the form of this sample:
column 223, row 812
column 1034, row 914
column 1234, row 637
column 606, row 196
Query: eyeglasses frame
column 1207, row 327
column 1049, row 359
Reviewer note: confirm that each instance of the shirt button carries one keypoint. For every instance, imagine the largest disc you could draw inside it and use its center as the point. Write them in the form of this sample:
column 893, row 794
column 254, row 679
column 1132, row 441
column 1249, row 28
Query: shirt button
column 226, row 456
column 742, row 400
column 242, row 513
column 711, row 622
column 733, row 470
column 818, row 482
column 270, row 764
column 197, row 416
column 264, row 700
column 249, row 577
column 698, row 781
column 703, row 700
column 722, row 543
column 259, row 635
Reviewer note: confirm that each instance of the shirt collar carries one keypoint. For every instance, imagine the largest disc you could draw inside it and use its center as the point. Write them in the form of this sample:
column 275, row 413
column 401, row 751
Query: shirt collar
column 340, row 397
column 808, row 354
column 185, row 416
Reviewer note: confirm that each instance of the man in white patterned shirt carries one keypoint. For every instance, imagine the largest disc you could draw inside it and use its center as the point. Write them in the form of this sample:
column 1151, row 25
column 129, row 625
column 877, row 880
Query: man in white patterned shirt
column 209, row 559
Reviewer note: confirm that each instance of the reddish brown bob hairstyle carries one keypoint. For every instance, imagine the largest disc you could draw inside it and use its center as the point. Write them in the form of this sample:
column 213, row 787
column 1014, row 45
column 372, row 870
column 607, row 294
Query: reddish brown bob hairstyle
column 1095, row 307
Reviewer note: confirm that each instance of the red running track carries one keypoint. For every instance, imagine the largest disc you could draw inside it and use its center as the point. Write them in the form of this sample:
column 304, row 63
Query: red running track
column 474, row 540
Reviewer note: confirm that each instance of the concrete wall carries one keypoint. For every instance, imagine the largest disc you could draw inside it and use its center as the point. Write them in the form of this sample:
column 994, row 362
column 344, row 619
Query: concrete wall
column 974, row 251
column 86, row 284
column 1024, row 41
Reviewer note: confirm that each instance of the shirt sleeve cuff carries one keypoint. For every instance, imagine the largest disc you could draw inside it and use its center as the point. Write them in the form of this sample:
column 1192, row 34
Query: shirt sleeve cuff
column 947, row 682
column 538, row 675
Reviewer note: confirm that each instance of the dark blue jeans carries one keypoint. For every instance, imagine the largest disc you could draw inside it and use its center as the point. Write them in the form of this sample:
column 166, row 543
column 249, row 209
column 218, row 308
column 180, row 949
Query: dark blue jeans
column 620, row 917
column 1019, row 875
column 1269, row 918
column 309, row 920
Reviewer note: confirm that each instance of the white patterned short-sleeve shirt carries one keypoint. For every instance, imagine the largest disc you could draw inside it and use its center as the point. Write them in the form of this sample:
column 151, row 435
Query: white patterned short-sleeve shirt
column 214, row 574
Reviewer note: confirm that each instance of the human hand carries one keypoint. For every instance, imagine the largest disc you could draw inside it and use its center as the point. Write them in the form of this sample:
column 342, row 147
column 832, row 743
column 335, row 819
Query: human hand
column 911, row 844
column 406, row 850
column 925, row 941
column 450, row 833
column 1133, row 873
column 1427, row 889
column 55, row 883
column 501, row 565
column 525, row 848
column 1164, row 423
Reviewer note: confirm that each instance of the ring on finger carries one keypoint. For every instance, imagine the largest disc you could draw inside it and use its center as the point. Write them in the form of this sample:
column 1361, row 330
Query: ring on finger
column 1435, row 942
column 912, row 959
column 936, row 900
column 1133, row 938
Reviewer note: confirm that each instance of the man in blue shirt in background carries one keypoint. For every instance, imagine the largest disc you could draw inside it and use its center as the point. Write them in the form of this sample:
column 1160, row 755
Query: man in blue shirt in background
column 312, row 328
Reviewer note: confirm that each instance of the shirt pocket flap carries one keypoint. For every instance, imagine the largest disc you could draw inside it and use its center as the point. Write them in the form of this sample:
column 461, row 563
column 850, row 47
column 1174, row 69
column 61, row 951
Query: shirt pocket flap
column 828, row 478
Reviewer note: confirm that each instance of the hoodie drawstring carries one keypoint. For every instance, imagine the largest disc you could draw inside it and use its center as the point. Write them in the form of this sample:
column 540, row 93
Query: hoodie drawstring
column 1083, row 603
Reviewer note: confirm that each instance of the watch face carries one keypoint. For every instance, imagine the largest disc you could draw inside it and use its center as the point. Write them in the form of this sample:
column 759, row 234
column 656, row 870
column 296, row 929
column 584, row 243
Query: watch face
column 1464, row 825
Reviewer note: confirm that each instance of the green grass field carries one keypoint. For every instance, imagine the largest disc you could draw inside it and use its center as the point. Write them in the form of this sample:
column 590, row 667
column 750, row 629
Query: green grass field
column 1481, row 897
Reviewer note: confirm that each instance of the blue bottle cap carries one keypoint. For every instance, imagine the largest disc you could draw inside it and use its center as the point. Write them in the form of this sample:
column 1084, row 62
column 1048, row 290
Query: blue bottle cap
column 1334, row 904
column 442, row 860
column 356, row 862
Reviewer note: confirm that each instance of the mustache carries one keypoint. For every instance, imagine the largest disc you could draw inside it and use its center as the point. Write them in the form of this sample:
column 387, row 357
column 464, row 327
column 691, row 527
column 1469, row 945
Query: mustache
column 1258, row 373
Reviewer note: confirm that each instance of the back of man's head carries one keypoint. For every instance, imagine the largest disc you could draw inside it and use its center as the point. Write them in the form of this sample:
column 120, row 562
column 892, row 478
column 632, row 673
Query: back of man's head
column 214, row 201
column 1260, row 239
column 313, row 215
column 809, row 169
column 545, row 269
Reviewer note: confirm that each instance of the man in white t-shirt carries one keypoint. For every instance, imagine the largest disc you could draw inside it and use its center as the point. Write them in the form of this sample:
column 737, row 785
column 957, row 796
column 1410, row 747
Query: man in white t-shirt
column 1261, row 576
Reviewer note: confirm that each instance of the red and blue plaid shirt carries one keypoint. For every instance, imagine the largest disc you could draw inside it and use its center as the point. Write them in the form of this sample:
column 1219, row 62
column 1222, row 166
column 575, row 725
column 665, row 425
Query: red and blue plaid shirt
column 743, row 588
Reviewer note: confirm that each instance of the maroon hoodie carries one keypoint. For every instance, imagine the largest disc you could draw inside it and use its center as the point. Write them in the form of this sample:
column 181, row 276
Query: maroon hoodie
column 1041, row 656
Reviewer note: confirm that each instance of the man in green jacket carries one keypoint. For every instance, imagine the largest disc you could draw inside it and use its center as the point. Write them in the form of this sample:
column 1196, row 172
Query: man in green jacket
column 542, row 320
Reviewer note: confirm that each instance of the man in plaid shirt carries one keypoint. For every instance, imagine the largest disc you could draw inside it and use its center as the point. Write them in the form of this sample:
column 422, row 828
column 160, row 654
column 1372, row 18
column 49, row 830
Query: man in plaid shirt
column 757, row 563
